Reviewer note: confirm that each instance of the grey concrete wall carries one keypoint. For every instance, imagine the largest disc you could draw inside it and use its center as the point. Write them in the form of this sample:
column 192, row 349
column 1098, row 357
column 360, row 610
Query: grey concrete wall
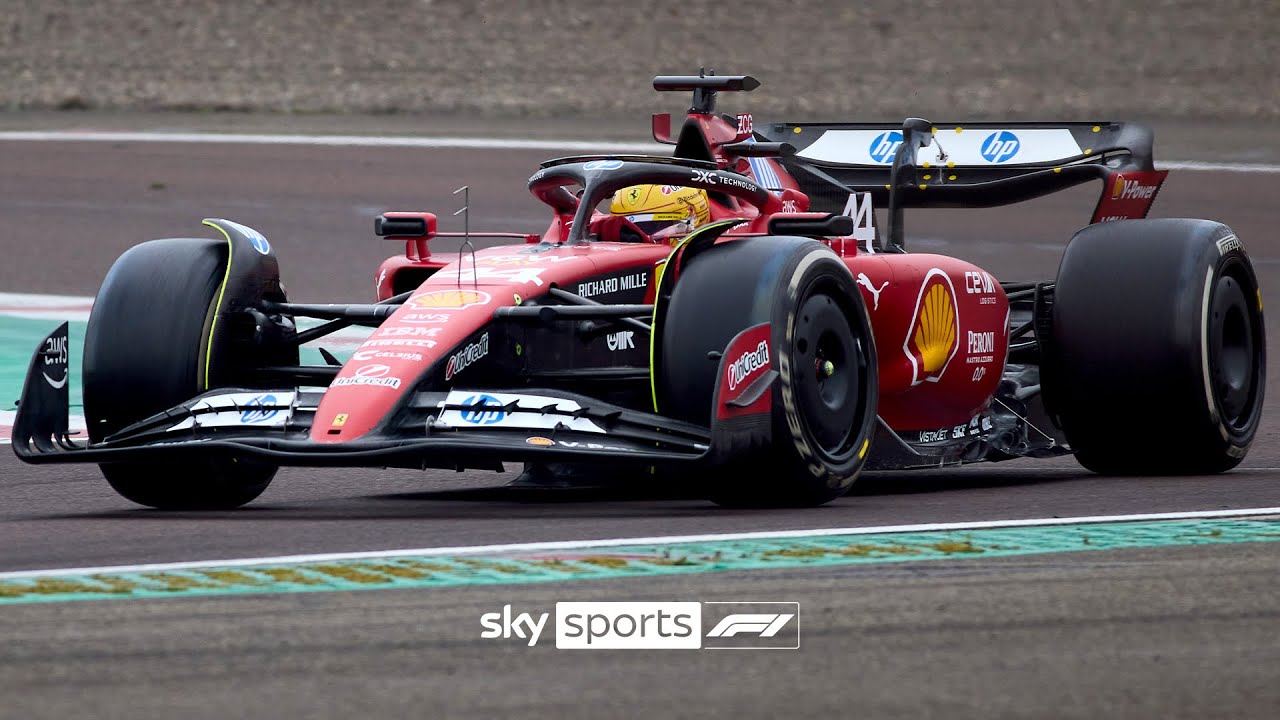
column 819, row 59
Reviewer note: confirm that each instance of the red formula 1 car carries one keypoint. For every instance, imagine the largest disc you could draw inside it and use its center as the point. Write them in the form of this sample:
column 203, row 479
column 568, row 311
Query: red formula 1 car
column 770, row 355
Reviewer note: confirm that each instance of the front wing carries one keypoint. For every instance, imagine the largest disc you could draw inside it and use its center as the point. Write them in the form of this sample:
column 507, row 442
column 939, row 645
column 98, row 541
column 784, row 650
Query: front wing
column 455, row 429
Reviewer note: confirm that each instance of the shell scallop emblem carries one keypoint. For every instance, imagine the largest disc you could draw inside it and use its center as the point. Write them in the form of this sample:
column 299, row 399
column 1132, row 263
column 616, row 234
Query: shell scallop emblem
column 931, row 341
column 448, row 299
column 1117, row 189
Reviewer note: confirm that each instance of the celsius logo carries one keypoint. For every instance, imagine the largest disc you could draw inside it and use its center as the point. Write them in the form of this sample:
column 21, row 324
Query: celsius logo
column 466, row 356
column 480, row 412
column 1000, row 146
column 257, row 410
column 885, row 145
column 747, row 364
column 363, row 355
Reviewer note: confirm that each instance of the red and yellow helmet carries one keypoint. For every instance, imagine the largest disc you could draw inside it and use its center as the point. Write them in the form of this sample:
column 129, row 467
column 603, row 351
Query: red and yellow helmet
column 664, row 212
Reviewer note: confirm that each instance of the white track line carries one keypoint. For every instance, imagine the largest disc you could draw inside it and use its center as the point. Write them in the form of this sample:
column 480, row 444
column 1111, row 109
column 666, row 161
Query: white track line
column 6, row 426
column 1218, row 167
column 541, row 547
column 75, row 423
column 336, row 140
column 75, row 308
column 607, row 146
column 33, row 306
column 37, row 300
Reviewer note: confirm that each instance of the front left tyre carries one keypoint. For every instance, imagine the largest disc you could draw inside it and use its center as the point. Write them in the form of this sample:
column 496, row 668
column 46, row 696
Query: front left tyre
column 147, row 349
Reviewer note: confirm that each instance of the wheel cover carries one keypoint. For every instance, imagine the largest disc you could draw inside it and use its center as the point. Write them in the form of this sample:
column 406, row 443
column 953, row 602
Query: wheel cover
column 1234, row 368
column 830, row 367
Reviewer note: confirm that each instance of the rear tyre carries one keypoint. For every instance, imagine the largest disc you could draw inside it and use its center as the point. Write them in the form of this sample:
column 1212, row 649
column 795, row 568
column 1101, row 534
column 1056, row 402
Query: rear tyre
column 823, row 403
column 144, row 353
column 1158, row 359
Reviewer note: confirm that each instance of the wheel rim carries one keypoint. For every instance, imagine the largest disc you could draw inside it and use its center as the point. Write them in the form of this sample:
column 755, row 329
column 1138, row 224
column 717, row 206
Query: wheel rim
column 830, row 366
column 1235, row 373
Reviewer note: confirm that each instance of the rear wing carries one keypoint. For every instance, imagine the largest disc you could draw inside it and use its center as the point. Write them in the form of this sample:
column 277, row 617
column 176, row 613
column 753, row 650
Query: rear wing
column 970, row 164
column 919, row 164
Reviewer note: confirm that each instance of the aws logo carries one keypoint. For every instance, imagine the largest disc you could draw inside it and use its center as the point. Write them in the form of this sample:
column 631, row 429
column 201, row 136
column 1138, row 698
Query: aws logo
column 931, row 340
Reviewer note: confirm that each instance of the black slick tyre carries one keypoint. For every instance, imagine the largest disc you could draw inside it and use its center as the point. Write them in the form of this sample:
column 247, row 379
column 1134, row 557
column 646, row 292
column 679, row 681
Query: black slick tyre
column 145, row 351
column 1157, row 360
column 823, row 404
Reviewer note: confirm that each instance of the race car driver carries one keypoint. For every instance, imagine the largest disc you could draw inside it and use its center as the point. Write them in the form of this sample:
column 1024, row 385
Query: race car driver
column 665, row 213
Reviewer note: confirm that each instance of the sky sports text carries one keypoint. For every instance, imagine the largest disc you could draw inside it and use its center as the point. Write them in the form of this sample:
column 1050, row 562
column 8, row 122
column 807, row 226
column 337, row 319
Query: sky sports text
column 654, row 625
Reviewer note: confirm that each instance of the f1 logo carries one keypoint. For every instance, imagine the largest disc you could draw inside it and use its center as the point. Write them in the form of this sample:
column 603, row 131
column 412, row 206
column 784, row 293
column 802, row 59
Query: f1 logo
column 761, row 624
column 751, row 625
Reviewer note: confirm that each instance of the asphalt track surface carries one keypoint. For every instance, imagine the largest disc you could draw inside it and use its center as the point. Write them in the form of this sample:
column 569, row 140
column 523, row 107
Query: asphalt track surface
column 1172, row 632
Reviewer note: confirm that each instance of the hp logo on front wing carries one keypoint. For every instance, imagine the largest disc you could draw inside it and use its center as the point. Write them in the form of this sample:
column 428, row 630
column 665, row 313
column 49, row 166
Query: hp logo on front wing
column 483, row 415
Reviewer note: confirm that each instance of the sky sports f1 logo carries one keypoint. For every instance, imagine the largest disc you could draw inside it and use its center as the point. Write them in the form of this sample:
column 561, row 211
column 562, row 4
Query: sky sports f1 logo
column 654, row 625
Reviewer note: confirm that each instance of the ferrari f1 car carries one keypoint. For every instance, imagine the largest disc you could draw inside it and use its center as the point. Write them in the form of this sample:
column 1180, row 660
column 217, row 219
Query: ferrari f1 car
column 770, row 355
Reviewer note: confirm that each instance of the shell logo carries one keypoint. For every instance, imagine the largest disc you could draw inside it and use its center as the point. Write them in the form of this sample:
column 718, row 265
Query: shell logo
column 931, row 339
column 1117, row 188
column 455, row 299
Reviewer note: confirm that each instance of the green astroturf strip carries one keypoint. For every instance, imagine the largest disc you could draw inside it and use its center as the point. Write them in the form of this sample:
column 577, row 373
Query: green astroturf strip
column 19, row 337
column 637, row 561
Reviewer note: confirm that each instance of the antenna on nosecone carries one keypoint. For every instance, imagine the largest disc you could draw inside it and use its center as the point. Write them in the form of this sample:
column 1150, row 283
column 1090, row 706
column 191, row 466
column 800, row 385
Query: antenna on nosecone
column 465, row 212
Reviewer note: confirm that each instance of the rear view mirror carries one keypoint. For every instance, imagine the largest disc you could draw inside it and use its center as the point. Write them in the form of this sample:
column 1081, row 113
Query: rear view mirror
column 662, row 128
column 405, row 225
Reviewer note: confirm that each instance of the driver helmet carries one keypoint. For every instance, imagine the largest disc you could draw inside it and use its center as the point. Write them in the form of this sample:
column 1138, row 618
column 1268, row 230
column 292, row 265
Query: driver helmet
column 664, row 212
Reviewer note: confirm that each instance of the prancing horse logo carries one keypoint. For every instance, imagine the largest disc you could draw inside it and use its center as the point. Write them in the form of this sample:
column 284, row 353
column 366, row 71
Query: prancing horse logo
column 865, row 282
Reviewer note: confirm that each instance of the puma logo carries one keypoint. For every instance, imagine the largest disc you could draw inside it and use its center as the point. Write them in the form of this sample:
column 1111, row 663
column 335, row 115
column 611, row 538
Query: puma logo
column 865, row 282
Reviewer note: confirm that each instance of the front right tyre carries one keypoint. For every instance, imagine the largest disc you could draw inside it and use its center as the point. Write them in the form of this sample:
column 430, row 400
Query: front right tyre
column 799, row 297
